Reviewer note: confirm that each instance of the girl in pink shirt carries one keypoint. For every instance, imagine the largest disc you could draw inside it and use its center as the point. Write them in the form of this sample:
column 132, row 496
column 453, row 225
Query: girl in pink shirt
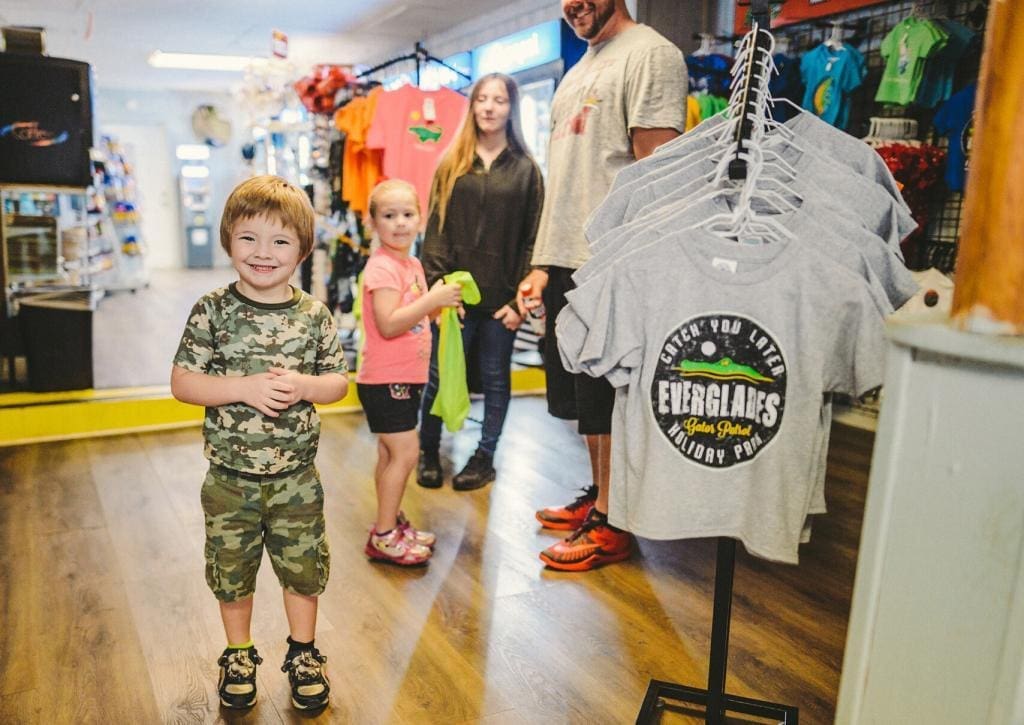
column 393, row 369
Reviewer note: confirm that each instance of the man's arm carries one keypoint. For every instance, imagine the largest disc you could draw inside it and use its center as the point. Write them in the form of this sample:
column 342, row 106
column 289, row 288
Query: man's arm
column 645, row 140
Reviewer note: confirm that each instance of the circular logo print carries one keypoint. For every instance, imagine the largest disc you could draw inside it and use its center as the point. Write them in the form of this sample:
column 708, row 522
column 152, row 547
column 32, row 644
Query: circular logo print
column 719, row 389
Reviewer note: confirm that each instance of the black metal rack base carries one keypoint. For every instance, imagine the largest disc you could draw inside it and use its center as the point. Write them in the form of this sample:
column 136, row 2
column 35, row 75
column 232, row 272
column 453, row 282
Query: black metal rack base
column 715, row 701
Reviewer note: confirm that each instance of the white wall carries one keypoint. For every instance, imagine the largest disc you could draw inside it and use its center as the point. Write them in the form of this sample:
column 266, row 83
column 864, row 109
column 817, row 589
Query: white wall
column 156, row 192
column 172, row 110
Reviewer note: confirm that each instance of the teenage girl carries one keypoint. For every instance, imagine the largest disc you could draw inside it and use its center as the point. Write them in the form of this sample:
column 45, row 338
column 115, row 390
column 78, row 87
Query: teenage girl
column 397, row 308
column 485, row 205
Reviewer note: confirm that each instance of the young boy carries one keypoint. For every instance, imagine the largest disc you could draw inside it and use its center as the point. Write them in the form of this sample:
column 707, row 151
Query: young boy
column 258, row 353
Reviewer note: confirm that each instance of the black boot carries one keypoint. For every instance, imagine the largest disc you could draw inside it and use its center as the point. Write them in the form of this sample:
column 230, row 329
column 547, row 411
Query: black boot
column 428, row 472
column 477, row 473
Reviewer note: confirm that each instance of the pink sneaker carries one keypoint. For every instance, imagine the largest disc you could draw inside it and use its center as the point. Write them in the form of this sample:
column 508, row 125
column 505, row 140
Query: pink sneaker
column 395, row 547
column 423, row 538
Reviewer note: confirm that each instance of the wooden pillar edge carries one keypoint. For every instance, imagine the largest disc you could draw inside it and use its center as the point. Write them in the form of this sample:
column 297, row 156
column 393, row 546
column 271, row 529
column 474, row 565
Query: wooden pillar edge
column 989, row 295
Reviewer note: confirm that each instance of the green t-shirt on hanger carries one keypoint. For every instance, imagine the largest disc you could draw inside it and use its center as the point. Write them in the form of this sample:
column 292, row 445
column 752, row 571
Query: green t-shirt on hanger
column 905, row 49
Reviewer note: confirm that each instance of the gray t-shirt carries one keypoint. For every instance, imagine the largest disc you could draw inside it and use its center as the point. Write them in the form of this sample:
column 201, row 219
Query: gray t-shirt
column 726, row 351
column 841, row 190
column 887, row 280
column 829, row 140
column 635, row 80
column 855, row 247
column 688, row 158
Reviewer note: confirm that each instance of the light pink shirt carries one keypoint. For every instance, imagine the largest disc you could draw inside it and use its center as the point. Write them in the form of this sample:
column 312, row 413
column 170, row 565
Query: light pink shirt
column 405, row 358
column 414, row 128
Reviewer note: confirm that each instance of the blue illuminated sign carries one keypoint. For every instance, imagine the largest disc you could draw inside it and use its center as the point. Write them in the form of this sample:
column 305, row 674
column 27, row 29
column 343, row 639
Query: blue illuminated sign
column 519, row 51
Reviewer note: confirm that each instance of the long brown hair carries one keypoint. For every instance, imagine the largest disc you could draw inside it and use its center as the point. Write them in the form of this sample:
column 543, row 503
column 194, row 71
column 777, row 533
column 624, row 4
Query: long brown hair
column 458, row 159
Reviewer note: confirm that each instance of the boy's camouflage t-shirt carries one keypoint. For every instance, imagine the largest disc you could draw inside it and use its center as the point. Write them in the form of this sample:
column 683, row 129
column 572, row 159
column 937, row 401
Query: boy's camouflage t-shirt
column 228, row 334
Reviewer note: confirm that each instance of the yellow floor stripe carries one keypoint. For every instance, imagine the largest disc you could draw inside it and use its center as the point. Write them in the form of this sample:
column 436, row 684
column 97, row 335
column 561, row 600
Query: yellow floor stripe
column 36, row 417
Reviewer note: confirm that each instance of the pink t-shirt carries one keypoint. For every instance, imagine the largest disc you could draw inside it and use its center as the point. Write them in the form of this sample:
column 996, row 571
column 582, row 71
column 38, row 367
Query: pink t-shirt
column 414, row 128
column 405, row 358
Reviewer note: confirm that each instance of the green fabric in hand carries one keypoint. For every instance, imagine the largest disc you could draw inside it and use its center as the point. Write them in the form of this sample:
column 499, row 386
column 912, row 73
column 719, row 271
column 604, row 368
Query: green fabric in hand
column 452, row 402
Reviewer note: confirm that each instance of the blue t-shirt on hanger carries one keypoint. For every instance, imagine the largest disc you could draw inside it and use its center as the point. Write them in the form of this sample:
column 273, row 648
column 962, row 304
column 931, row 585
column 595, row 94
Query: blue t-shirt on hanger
column 711, row 73
column 956, row 120
column 937, row 84
column 786, row 84
column 829, row 75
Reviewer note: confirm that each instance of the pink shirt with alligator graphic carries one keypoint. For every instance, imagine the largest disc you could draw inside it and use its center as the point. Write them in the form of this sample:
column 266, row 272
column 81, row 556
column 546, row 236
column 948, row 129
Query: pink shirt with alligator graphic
column 414, row 128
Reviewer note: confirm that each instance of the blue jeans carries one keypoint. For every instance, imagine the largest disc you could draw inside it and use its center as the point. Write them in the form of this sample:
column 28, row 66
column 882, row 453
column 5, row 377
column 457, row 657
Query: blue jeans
column 496, row 343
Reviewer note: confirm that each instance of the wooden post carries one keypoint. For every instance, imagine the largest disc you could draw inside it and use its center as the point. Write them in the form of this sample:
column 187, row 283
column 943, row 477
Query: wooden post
column 989, row 295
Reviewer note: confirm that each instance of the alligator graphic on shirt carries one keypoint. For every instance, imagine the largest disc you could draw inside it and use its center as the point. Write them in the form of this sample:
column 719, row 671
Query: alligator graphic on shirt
column 427, row 133
column 724, row 369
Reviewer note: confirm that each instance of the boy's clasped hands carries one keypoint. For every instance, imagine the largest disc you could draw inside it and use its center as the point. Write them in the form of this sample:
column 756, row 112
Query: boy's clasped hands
column 273, row 391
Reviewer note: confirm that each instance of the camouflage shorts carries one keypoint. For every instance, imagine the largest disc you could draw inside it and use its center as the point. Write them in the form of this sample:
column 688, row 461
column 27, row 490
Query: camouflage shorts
column 245, row 513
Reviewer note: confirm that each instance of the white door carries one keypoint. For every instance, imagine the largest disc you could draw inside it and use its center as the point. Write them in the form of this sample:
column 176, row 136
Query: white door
column 148, row 151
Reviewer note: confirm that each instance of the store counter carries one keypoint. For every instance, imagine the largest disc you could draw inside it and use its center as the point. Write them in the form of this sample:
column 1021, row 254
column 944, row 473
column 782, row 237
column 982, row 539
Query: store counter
column 57, row 331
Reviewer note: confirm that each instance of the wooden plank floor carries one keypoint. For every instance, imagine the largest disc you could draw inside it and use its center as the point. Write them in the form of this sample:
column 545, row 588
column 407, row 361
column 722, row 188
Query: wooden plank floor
column 106, row 617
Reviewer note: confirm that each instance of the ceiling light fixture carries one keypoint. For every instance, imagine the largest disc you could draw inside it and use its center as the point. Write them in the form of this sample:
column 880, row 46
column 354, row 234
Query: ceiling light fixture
column 201, row 61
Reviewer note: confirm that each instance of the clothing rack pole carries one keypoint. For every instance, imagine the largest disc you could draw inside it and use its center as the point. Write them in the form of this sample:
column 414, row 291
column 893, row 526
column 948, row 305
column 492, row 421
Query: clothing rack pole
column 714, row 699
column 762, row 47
column 420, row 56
column 721, row 618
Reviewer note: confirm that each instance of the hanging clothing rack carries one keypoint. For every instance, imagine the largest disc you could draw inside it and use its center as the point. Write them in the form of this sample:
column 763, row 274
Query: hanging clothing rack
column 762, row 48
column 421, row 56
column 715, row 701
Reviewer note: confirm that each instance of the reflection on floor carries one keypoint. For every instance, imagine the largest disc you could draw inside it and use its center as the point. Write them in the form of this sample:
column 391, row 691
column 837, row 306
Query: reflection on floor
column 135, row 334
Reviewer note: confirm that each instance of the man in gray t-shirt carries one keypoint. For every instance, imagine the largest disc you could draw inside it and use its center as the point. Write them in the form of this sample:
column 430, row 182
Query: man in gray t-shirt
column 625, row 97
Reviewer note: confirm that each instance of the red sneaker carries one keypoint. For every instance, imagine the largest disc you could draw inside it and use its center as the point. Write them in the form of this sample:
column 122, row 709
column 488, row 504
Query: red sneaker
column 571, row 516
column 594, row 544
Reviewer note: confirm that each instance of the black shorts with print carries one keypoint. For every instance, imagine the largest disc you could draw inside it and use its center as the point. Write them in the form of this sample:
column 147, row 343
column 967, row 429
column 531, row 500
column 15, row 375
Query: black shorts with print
column 391, row 407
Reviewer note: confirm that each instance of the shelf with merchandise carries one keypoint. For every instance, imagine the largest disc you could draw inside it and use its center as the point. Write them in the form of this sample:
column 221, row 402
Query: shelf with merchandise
column 45, row 241
column 117, row 223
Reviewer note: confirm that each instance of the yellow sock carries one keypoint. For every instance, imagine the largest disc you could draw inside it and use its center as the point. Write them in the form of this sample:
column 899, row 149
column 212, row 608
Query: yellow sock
column 244, row 645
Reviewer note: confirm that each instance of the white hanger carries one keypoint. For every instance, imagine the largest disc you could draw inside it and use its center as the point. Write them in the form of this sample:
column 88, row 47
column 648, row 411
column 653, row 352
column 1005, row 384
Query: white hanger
column 835, row 40
column 705, row 44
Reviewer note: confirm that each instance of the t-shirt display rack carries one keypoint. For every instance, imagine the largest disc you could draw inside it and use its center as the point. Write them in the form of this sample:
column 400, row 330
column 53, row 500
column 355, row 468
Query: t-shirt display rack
column 714, row 699
column 421, row 57
column 866, row 29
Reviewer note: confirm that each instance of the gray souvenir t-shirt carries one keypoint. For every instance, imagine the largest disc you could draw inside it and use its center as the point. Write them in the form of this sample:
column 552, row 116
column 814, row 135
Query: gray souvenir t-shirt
column 819, row 227
column 689, row 157
column 635, row 80
column 888, row 282
column 726, row 358
column 839, row 189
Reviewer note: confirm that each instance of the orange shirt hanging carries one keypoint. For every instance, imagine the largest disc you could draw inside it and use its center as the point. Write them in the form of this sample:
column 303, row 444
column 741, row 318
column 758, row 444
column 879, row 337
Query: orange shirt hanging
column 361, row 166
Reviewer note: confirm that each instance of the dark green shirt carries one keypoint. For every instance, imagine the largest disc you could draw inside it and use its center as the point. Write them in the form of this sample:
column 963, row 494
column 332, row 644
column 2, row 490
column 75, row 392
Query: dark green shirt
column 489, row 228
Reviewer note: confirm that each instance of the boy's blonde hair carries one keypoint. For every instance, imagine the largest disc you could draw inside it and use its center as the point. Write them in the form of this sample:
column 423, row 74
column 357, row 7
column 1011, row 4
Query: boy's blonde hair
column 390, row 185
column 270, row 196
